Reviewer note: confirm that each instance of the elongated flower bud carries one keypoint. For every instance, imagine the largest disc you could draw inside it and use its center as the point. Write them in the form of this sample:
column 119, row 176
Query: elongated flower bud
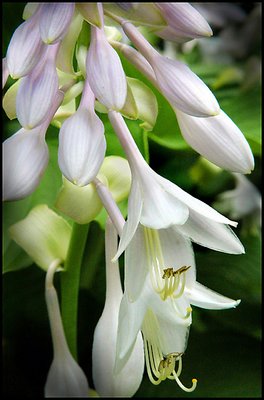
column 25, row 158
column 26, row 48
column 182, row 88
column 105, row 72
column 5, row 72
column 82, row 143
column 54, row 21
column 36, row 92
column 219, row 140
column 65, row 377
column 127, row 381
column 185, row 20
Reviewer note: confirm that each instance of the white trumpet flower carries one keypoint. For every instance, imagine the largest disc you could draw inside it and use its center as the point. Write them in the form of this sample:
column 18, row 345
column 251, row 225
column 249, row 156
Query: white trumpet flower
column 160, row 287
column 107, row 382
column 65, row 377
column 157, row 203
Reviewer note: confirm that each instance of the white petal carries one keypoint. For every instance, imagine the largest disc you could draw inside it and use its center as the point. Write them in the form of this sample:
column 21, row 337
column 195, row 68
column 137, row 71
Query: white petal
column 105, row 72
column 200, row 296
column 134, row 212
column 211, row 234
column 25, row 158
column 173, row 336
column 130, row 319
column 5, row 72
column 161, row 209
column 219, row 140
column 54, row 21
column 136, row 265
column 36, row 94
column 82, row 147
column 193, row 203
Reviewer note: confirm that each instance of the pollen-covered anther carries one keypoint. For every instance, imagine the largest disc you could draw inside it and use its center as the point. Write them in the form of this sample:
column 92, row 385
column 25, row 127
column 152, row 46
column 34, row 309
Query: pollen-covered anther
column 174, row 279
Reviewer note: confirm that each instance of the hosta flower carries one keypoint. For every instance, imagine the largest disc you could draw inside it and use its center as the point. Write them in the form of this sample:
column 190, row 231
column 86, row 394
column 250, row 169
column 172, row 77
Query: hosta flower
column 54, row 20
column 82, row 143
column 127, row 381
column 26, row 47
column 219, row 140
column 105, row 72
column 37, row 90
column 184, row 22
column 157, row 203
column 65, row 377
column 183, row 89
column 216, row 138
column 160, row 287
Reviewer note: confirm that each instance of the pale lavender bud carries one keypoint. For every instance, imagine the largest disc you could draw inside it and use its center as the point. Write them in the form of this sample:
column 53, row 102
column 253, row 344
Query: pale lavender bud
column 26, row 48
column 54, row 21
column 105, row 72
column 25, row 158
column 82, row 143
column 37, row 90
column 219, row 140
column 181, row 87
column 184, row 20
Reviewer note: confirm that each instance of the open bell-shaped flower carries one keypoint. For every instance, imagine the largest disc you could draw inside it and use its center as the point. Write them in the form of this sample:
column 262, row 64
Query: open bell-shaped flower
column 160, row 287
column 182, row 88
column 65, row 377
column 157, row 203
column 54, row 21
column 82, row 143
column 107, row 383
column 219, row 140
column 105, row 72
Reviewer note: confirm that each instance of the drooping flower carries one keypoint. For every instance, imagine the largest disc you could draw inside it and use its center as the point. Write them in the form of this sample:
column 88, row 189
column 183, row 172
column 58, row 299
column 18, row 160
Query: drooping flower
column 65, row 377
column 160, row 287
column 127, row 381
column 184, row 22
column 183, row 89
column 82, row 144
column 105, row 72
column 157, row 203
column 219, row 140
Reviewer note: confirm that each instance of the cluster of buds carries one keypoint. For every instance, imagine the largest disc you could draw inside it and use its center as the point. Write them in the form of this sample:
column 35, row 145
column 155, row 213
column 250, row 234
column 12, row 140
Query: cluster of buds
column 53, row 66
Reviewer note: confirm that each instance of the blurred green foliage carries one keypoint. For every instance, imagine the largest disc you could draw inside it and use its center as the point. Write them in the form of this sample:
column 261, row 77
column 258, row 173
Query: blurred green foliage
column 224, row 346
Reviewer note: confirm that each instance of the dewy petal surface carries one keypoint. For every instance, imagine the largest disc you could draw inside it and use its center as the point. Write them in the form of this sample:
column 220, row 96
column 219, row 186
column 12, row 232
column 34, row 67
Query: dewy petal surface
column 82, row 147
column 219, row 140
column 54, row 20
column 200, row 296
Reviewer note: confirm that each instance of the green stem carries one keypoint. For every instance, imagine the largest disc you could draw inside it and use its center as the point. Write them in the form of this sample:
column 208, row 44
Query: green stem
column 146, row 145
column 70, row 285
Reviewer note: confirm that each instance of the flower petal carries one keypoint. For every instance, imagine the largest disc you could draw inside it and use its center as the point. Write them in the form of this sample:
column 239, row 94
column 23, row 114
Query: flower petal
column 105, row 72
column 200, row 296
column 82, row 147
column 54, row 21
column 219, row 140
column 211, row 234
column 134, row 212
